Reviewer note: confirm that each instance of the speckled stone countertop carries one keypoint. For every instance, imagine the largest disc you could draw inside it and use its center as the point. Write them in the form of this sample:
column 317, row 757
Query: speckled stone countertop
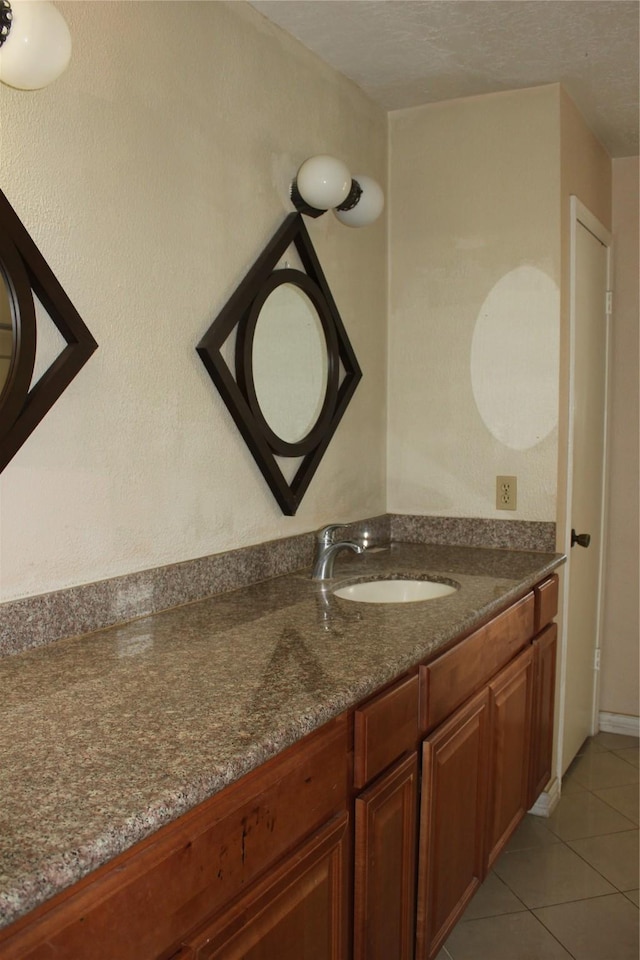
column 106, row 737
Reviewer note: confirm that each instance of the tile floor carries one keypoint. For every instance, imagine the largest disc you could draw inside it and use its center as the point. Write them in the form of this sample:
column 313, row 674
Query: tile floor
column 566, row 887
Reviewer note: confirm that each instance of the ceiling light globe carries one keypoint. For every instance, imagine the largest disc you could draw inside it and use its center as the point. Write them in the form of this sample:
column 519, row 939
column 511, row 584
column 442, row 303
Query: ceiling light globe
column 38, row 47
column 323, row 182
column 369, row 206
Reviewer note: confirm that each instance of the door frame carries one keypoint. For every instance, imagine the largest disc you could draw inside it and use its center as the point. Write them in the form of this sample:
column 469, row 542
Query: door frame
column 579, row 213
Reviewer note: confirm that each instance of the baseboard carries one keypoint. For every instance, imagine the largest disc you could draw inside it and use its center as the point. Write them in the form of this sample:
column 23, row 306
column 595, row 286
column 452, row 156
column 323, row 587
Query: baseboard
column 547, row 801
column 622, row 723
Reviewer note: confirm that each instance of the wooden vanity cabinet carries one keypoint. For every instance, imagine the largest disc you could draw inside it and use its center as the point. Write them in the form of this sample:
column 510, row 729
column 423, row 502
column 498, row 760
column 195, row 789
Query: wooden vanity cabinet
column 484, row 762
column 272, row 848
column 455, row 776
column 385, row 865
column 367, row 839
column 386, row 762
column 475, row 791
column 511, row 705
column 545, row 656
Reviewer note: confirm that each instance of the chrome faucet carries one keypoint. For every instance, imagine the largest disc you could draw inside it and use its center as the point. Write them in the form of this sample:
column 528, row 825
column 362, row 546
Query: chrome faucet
column 327, row 549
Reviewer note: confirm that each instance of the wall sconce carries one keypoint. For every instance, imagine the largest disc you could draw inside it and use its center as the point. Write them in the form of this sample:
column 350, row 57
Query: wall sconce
column 323, row 183
column 35, row 43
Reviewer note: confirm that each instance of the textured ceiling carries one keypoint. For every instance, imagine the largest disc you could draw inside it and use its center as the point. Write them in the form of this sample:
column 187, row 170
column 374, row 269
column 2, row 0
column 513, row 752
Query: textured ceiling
column 408, row 52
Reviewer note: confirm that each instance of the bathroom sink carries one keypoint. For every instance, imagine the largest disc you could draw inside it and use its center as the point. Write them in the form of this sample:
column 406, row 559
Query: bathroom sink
column 395, row 591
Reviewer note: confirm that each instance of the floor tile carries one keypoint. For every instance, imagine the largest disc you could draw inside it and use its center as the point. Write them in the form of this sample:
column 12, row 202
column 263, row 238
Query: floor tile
column 571, row 787
column 614, row 856
column 516, row 937
column 597, row 771
column 591, row 746
column 605, row 927
column 532, row 832
column 630, row 754
column 634, row 896
column 553, row 874
column 613, row 741
column 493, row 899
column 623, row 799
column 585, row 815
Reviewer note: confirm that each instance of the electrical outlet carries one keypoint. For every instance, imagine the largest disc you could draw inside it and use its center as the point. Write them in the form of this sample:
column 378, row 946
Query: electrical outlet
column 506, row 493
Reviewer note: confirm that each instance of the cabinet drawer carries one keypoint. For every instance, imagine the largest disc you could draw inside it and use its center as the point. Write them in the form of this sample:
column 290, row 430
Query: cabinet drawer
column 452, row 678
column 546, row 594
column 144, row 902
column 384, row 728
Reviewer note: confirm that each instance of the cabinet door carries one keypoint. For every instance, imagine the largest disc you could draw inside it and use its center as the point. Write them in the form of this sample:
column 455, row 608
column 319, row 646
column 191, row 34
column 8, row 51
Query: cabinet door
column 385, row 865
column 452, row 822
column 298, row 912
column 511, row 706
column 544, row 694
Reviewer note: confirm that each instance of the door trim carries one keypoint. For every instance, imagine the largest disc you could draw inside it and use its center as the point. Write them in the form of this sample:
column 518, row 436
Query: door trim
column 579, row 213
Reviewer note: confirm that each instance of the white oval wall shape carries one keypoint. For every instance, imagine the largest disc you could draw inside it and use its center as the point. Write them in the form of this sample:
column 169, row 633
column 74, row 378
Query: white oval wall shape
column 515, row 358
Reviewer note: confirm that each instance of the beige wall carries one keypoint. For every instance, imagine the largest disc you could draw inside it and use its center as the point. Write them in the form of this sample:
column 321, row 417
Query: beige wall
column 151, row 174
column 621, row 636
column 475, row 188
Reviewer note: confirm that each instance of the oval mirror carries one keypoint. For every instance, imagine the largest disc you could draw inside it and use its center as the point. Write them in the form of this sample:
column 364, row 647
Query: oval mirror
column 289, row 360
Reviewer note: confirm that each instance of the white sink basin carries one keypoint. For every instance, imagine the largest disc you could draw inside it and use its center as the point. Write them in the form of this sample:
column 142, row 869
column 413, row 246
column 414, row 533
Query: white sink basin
column 395, row 591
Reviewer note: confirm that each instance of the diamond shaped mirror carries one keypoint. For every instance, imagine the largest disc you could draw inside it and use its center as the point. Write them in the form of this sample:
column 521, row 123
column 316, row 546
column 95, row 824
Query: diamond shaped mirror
column 288, row 378
column 23, row 273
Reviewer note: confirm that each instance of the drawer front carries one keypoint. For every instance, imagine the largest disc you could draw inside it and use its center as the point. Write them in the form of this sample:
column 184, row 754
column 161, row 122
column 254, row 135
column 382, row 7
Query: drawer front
column 145, row 901
column 384, row 728
column 452, row 678
column 546, row 594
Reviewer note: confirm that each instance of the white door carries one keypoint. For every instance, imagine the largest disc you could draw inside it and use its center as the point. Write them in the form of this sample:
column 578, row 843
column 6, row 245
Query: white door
column 587, row 451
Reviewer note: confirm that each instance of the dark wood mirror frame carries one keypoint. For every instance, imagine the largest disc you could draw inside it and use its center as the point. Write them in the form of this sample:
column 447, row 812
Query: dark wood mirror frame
column 237, row 387
column 24, row 269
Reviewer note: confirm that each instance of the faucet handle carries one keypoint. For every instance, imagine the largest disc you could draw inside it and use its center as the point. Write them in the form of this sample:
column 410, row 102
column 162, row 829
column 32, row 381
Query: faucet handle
column 325, row 536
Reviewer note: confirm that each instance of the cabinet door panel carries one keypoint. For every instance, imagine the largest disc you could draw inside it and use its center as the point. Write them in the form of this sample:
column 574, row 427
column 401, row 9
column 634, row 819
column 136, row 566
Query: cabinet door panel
column 511, row 706
column 544, row 648
column 298, row 912
column 452, row 822
column 385, row 864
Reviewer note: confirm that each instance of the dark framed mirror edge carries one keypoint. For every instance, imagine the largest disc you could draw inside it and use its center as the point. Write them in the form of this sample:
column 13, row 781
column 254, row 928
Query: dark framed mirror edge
column 234, row 313
column 21, row 308
column 80, row 343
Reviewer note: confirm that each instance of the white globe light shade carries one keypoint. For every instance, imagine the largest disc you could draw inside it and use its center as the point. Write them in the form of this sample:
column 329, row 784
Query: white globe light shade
column 369, row 206
column 323, row 181
column 38, row 48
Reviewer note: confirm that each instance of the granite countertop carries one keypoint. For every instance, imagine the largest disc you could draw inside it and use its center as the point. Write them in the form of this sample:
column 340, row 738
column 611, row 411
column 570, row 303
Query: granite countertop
column 106, row 737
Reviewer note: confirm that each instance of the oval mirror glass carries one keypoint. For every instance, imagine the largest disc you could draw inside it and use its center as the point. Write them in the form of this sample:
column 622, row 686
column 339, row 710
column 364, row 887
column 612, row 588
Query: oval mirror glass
column 7, row 334
column 290, row 364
